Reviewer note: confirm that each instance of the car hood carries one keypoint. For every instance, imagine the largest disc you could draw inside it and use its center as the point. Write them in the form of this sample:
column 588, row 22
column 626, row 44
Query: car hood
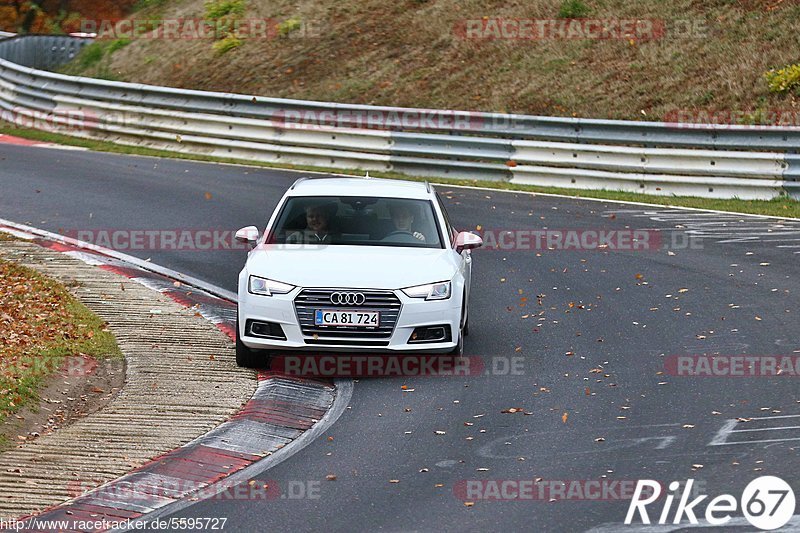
column 378, row 267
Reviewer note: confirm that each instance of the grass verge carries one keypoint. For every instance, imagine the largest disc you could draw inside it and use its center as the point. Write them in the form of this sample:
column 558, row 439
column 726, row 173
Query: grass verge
column 778, row 207
column 41, row 323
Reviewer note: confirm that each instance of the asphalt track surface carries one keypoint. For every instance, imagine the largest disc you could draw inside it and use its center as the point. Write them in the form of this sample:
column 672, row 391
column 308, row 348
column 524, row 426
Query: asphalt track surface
column 600, row 326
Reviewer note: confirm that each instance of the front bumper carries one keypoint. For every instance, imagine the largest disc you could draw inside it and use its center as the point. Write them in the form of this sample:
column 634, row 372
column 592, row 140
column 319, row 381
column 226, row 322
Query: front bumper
column 414, row 313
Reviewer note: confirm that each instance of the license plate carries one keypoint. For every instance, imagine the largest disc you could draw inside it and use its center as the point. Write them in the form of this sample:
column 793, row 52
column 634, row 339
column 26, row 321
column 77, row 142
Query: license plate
column 336, row 317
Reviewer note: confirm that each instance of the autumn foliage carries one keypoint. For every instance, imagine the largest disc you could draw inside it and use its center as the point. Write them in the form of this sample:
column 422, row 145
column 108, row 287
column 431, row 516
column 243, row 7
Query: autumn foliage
column 41, row 323
column 58, row 16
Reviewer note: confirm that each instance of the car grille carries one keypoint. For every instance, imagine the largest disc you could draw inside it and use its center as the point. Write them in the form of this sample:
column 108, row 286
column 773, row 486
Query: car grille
column 376, row 300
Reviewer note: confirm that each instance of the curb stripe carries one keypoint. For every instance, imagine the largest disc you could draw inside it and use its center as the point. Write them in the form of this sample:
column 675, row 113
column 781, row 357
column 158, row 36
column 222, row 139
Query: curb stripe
column 282, row 408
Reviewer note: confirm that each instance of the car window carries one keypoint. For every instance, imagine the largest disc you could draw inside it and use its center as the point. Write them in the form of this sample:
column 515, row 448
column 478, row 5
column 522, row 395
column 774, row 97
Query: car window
column 359, row 221
column 451, row 231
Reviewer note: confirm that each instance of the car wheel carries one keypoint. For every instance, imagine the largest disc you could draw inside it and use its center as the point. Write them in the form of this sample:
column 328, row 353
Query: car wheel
column 458, row 351
column 465, row 312
column 245, row 357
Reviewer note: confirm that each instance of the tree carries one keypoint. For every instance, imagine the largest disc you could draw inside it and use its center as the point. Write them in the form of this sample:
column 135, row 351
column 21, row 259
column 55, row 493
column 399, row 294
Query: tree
column 48, row 16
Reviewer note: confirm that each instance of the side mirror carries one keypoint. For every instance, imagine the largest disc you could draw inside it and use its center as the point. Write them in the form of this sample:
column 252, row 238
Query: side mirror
column 467, row 241
column 248, row 235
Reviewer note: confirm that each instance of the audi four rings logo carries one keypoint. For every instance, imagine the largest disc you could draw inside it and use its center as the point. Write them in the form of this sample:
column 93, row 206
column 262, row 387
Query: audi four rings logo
column 348, row 298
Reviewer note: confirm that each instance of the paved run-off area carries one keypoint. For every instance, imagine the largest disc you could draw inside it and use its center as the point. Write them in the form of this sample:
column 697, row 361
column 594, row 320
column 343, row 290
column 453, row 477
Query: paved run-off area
column 181, row 381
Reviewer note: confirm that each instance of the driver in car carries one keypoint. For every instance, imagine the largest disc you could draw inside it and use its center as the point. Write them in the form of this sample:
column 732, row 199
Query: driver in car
column 318, row 226
column 403, row 218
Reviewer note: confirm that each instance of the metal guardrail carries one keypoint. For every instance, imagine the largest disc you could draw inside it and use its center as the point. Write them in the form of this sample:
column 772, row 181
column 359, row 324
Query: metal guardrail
column 40, row 51
column 657, row 158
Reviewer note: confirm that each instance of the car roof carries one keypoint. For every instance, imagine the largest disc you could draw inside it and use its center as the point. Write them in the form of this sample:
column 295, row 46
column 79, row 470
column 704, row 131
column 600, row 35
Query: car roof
column 324, row 186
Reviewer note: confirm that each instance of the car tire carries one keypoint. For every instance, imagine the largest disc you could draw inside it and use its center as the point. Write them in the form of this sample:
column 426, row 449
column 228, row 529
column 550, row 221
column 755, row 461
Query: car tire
column 458, row 351
column 465, row 312
column 246, row 357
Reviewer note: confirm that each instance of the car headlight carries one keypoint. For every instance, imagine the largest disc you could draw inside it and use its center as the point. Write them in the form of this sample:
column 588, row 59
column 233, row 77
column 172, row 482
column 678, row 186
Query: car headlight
column 268, row 287
column 430, row 291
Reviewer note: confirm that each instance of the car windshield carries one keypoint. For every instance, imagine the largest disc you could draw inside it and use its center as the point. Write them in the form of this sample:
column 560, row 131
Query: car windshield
column 360, row 221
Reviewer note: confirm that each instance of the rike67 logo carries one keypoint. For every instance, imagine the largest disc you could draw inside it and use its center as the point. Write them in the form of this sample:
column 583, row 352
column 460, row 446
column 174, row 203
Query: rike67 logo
column 767, row 503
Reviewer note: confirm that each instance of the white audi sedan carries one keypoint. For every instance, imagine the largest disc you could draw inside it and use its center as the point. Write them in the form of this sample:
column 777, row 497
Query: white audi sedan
column 354, row 265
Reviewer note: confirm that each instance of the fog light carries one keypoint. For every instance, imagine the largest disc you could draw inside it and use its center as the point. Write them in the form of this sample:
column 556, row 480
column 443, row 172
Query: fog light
column 267, row 330
column 430, row 334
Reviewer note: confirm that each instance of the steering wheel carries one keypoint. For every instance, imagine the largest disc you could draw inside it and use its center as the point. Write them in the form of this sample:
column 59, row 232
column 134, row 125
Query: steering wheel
column 401, row 237
column 399, row 232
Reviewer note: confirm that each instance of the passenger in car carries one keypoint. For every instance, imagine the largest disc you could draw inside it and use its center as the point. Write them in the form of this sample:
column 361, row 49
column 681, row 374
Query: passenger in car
column 318, row 226
column 403, row 219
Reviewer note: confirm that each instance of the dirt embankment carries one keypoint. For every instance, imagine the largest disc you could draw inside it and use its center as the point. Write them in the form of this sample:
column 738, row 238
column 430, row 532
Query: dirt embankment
column 648, row 60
